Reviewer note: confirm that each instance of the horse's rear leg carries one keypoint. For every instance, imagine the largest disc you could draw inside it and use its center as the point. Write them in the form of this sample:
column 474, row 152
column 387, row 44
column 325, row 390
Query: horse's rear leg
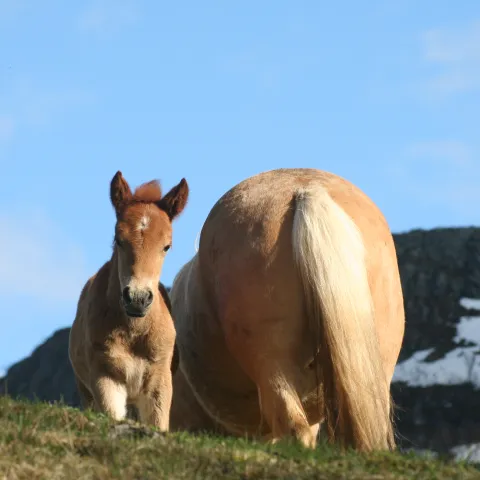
column 282, row 409
column 268, row 353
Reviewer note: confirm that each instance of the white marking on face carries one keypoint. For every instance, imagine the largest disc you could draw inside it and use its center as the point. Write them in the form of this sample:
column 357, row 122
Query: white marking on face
column 144, row 222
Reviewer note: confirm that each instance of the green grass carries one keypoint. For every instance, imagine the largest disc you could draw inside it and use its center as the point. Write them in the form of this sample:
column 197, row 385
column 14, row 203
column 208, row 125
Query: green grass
column 41, row 441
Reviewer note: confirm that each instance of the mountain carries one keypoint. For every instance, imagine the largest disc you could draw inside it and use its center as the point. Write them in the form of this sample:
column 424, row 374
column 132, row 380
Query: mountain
column 437, row 379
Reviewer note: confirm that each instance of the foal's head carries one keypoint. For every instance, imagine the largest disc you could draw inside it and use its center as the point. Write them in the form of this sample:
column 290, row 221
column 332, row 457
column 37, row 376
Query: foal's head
column 143, row 236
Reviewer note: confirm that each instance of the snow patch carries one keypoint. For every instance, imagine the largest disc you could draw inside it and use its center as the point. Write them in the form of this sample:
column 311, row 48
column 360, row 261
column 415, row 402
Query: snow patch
column 470, row 303
column 458, row 366
column 468, row 453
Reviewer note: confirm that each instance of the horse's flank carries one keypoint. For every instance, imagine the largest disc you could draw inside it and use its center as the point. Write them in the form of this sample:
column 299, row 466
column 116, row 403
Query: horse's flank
column 294, row 314
column 122, row 339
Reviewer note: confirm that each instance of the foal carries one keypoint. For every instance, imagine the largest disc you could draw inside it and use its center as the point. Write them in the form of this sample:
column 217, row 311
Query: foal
column 122, row 340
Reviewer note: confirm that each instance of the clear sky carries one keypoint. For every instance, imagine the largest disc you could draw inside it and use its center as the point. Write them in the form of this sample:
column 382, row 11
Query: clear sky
column 384, row 93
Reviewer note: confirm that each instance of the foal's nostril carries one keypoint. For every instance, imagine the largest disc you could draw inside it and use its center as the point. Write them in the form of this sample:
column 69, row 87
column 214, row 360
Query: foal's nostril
column 148, row 298
column 126, row 295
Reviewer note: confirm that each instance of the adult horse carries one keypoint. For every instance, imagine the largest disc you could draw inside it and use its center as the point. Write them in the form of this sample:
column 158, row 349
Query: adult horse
column 290, row 314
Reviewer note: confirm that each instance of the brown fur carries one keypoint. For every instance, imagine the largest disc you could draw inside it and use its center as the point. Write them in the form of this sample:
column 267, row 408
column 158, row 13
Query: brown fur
column 275, row 327
column 149, row 192
column 119, row 359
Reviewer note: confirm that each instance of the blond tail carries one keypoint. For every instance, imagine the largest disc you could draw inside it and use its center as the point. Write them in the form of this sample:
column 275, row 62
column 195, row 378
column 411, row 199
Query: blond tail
column 330, row 257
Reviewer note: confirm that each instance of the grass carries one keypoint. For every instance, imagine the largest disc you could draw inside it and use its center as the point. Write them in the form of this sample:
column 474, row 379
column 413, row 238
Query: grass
column 42, row 441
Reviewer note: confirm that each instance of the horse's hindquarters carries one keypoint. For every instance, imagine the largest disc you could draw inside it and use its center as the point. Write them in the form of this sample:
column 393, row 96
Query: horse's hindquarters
column 248, row 277
column 247, row 345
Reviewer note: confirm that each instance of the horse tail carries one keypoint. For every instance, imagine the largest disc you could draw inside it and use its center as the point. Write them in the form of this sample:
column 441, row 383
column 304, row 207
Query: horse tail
column 330, row 258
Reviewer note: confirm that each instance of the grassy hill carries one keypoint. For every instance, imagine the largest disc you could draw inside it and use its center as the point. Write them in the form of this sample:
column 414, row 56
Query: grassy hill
column 44, row 441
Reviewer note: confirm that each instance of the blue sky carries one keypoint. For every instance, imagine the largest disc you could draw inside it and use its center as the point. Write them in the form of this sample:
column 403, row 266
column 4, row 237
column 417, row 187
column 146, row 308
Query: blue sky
column 385, row 93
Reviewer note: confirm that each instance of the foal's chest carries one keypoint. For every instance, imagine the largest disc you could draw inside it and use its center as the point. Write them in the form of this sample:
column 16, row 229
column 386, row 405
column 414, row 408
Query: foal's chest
column 134, row 368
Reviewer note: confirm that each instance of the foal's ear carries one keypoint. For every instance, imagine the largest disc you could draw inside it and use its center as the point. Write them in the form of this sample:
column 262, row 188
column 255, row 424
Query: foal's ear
column 120, row 193
column 175, row 200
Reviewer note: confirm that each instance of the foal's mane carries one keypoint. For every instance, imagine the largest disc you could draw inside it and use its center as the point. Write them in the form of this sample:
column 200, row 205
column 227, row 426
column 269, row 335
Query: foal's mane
column 149, row 192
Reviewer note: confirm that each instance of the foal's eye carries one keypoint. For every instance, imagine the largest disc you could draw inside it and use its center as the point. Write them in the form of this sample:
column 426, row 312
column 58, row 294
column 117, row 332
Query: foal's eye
column 166, row 248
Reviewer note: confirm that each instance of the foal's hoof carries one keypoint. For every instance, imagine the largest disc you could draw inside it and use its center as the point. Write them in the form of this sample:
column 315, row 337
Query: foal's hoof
column 272, row 441
column 135, row 431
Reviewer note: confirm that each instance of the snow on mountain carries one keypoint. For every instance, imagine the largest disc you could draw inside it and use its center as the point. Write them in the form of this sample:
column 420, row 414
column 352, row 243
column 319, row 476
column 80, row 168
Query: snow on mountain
column 458, row 366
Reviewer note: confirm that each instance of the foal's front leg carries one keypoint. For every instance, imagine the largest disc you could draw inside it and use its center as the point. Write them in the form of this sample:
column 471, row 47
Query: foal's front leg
column 154, row 406
column 111, row 397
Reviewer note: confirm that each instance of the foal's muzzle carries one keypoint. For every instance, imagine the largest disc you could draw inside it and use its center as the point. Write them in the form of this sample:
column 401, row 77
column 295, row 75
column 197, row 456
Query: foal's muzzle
column 136, row 302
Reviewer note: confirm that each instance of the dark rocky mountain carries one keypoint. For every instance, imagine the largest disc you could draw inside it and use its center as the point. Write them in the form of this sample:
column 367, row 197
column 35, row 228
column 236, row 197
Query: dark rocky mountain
column 45, row 375
column 438, row 268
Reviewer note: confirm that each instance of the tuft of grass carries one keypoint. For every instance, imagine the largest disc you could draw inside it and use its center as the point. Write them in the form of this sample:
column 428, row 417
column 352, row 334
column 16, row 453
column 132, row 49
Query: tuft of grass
column 44, row 441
